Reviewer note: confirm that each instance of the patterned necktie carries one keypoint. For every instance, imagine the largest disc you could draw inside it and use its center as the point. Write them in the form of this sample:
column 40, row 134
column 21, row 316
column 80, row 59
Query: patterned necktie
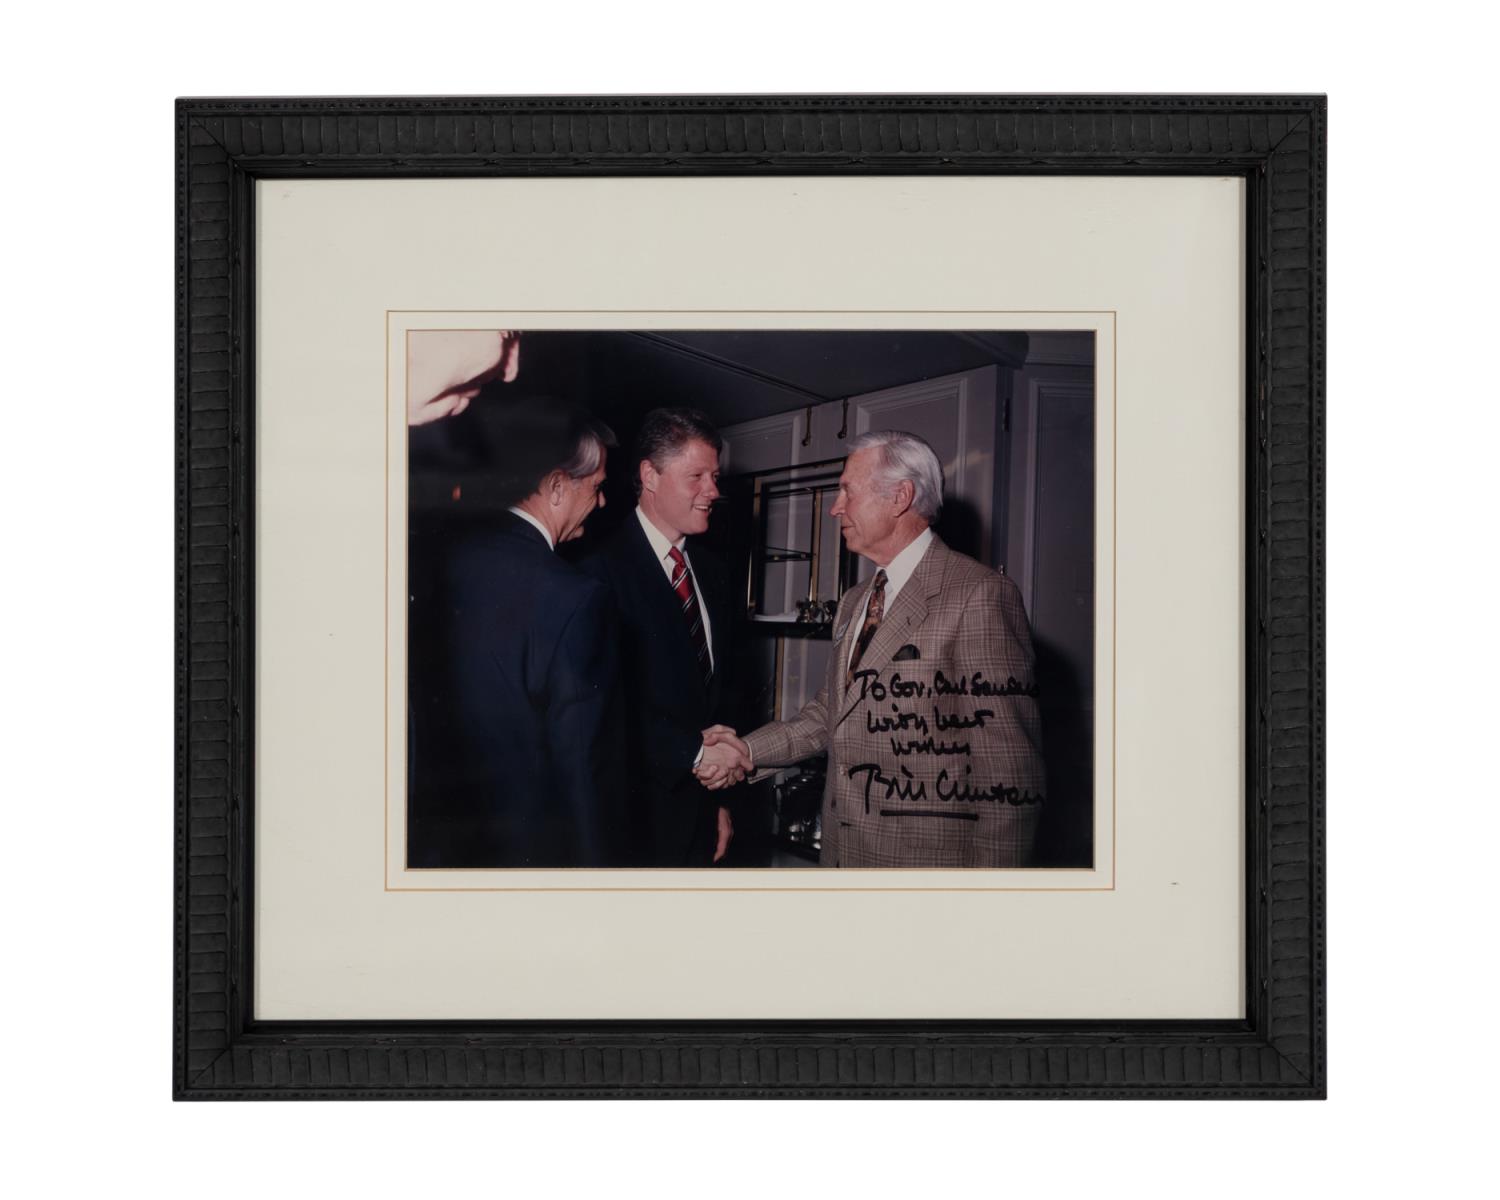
column 682, row 584
column 873, row 613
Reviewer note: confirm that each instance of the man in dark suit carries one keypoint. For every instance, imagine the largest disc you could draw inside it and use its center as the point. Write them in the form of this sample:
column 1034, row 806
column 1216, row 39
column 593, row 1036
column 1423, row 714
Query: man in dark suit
column 672, row 601
column 519, row 755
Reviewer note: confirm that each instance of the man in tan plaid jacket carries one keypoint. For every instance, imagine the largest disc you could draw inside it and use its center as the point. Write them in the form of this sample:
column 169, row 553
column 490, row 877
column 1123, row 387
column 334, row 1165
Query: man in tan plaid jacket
column 928, row 714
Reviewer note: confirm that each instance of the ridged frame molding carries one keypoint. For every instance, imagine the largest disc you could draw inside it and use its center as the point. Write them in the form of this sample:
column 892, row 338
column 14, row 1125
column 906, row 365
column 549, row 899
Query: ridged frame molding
column 1276, row 143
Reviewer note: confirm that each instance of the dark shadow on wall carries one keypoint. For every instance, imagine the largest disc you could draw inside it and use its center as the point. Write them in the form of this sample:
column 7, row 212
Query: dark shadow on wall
column 1065, row 834
column 958, row 525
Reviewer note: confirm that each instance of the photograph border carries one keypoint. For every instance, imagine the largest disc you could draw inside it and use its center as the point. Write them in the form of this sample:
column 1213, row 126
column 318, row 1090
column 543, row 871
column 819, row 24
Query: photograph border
column 1276, row 144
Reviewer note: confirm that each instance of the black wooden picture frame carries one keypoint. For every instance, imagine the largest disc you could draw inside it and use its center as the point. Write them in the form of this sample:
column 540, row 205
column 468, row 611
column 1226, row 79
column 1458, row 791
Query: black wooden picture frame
column 1277, row 144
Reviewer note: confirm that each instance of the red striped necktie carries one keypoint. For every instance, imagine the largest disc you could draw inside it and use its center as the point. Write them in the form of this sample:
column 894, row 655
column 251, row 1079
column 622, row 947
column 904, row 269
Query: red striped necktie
column 682, row 584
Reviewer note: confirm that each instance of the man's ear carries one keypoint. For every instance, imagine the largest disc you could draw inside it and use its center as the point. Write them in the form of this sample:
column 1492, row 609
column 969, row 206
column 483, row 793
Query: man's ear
column 552, row 486
column 649, row 475
column 905, row 493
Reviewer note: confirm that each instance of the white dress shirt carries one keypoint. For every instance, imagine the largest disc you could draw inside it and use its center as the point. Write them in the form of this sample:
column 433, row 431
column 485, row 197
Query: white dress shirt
column 526, row 516
column 663, row 549
column 896, row 575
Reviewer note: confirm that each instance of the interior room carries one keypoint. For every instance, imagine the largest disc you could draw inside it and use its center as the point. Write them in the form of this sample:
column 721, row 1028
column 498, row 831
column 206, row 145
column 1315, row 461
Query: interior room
column 1011, row 417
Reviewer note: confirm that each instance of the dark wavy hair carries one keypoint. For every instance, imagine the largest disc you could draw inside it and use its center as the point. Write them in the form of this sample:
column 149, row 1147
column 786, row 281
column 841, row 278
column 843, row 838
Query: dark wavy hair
column 665, row 431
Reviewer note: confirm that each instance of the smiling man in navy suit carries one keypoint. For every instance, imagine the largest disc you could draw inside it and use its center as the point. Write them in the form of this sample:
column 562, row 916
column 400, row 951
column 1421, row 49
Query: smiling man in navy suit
column 672, row 603
column 521, row 763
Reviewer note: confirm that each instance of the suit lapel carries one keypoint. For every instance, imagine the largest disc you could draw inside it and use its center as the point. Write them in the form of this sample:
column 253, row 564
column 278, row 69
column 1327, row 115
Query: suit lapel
column 906, row 614
column 713, row 595
column 714, row 598
column 665, row 607
column 843, row 636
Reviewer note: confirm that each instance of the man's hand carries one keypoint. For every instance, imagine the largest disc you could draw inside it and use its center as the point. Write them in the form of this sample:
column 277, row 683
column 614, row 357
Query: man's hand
column 448, row 367
column 726, row 759
column 726, row 831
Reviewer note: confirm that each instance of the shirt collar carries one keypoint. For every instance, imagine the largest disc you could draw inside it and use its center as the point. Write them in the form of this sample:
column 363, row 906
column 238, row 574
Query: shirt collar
column 542, row 529
column 656, row 537
column 902, row 566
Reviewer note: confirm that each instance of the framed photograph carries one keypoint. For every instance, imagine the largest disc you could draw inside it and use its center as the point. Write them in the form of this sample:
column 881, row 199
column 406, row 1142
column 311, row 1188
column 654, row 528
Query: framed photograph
column 761, row 597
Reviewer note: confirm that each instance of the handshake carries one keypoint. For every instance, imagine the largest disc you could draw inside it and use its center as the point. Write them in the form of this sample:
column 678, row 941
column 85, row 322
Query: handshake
column 726, row 758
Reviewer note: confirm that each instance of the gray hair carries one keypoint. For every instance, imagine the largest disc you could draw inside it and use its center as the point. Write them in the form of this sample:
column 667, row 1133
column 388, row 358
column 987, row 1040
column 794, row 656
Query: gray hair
column 906, row 456
column 591, row 441
column 530, row 438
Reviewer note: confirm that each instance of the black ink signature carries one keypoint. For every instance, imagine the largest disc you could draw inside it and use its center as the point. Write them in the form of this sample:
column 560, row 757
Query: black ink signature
column 950, row 813
column 996, row 792
column 909, row 788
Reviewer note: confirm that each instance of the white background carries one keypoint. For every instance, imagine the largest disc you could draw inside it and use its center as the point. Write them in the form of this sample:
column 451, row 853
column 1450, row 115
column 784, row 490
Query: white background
column 87, row 498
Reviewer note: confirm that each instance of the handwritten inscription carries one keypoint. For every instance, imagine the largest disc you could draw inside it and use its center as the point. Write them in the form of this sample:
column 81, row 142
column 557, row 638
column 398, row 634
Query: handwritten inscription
column 978, row 685
column 899, row 720
column 911, row 715
column 928, row 746
column 973, row 720
column 871, row 688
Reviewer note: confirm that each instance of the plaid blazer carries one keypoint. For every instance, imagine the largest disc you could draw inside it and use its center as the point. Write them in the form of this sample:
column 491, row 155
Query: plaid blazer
column 934, row 750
